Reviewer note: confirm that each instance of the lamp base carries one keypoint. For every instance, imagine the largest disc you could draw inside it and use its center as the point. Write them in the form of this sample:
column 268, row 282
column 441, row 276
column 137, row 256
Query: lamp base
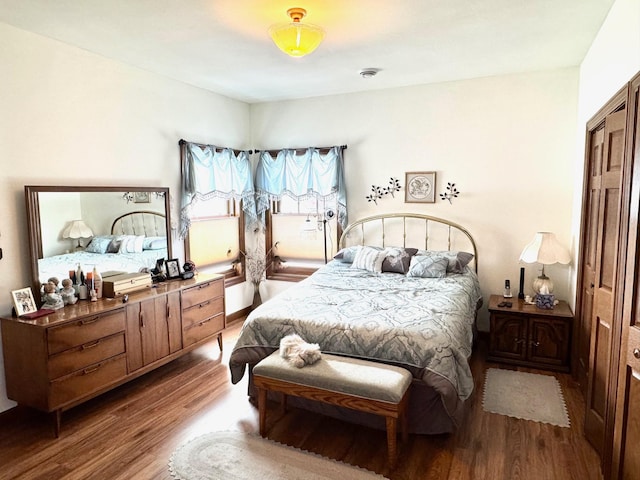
column 543, row 284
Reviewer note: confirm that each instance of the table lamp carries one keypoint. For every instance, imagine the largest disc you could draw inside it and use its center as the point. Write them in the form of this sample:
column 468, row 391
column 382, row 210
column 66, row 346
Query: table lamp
column 544, row 249
column 76, row 230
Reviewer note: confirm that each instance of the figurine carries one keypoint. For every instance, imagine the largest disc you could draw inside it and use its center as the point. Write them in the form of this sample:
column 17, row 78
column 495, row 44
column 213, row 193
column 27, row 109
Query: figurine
column 56, row 282
column 52, row 299
column 67, row 293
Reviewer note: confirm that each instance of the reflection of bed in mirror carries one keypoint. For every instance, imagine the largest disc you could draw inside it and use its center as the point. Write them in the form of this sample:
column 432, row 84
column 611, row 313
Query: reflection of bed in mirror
column 136, row 241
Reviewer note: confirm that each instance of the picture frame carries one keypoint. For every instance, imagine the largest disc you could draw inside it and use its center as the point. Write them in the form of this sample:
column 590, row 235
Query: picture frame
column 23, row 301
column 172, row 268
column 420, row 187
column 141, row 197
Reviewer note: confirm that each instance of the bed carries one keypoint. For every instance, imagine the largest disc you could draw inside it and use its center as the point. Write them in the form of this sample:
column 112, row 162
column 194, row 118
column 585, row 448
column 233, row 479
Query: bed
column 418, row 312
column 136, row 241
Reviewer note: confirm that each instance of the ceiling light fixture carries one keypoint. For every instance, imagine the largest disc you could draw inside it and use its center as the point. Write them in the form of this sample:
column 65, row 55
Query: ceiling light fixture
column 369, row 72
column 295, row 38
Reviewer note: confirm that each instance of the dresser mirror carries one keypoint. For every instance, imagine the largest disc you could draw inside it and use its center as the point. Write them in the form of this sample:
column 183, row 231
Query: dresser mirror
column 121, row 229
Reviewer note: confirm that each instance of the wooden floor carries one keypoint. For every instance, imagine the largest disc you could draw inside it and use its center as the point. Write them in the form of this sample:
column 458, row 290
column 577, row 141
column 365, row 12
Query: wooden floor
column 130, row 433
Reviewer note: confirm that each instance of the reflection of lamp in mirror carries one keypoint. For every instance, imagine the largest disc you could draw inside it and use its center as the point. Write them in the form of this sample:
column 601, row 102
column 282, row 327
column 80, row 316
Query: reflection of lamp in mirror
column 76, row 230
column 544, row 249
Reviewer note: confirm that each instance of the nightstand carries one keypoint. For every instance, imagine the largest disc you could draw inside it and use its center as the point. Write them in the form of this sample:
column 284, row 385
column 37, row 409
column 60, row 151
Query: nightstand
column 529, row 336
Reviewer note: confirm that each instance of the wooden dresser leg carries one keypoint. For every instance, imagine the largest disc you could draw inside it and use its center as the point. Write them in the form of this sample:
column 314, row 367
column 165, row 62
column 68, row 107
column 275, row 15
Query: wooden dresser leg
column 391, row 441
column 57, row 421
column 220, row 341
column 262, row 410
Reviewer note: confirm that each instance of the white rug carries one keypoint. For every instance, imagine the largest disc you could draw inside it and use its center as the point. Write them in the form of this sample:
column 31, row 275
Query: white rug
column 240, row 456
column 528, row 396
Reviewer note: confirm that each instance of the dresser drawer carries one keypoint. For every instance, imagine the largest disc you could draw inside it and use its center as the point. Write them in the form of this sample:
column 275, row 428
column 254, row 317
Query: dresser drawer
column 84, row 355
column 203, row 329
column 82, row 383
column 202, row 293
column 85, row 330
column 202, row 311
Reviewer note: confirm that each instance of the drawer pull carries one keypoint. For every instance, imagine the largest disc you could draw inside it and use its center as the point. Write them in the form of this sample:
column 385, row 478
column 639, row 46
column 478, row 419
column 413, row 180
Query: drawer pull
column 87, row 371
column 87, row 346
column 535, row 344
column 205, row 285
column 87, row 321
column 202, row 305
column 636, row 352
column 205, row 321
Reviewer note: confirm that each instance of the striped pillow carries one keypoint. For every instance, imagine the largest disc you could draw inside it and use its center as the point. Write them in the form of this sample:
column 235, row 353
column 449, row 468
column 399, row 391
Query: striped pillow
column 370, row 259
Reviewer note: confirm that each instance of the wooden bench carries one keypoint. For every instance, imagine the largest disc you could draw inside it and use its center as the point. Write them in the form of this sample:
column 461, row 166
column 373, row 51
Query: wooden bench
column 347, row 382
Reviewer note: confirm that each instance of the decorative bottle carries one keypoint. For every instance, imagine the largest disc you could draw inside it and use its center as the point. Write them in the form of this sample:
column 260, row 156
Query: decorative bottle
column 97, row 282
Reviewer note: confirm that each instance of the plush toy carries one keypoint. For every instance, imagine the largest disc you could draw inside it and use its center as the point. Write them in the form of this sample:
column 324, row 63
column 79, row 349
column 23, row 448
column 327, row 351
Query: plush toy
column 67, row 293
column 52, row 299
column 298, row 352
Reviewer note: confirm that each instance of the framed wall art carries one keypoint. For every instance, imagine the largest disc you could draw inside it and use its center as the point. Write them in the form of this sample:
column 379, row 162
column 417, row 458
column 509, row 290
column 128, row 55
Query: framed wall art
column 420, row 187
column 23, row 301
column 141, row 197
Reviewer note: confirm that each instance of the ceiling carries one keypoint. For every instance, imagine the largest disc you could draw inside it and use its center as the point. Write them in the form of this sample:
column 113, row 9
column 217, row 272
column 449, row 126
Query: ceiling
column 223, row 46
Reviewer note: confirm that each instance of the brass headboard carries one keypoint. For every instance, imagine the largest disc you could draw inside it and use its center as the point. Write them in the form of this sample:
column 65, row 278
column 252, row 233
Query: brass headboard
column 410, row 230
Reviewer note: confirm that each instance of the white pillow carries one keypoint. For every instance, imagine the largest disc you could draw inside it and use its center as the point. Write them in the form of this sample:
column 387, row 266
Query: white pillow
column 370, row 259
column 131, row 244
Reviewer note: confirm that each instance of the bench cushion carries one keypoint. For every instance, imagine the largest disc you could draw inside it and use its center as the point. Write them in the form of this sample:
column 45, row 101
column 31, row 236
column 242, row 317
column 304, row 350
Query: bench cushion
column 352, row 376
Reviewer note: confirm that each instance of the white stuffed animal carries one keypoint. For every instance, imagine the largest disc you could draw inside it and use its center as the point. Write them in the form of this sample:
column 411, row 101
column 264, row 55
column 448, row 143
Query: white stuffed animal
column 298, row 352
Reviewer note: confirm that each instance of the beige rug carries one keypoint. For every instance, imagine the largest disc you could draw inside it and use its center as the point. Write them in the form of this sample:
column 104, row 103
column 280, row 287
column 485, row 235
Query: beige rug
column 239, row 456
column 528, row 396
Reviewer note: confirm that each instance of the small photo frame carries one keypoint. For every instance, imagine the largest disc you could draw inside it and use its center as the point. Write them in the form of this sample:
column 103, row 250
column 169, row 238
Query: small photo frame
column 141, row 197
column 173, row 268
column 23, row 301
column 420, row 187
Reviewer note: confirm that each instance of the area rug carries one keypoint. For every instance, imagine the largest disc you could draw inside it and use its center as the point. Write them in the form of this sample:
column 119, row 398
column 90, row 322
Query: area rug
column 239, row 456
column 528, row 396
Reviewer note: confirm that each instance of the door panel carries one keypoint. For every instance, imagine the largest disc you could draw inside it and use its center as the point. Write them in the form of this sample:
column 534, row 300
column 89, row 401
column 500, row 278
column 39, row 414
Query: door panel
column 605, row 279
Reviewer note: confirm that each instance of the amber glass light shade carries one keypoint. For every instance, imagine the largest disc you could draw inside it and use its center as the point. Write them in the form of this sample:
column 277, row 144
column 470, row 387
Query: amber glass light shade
column 295, row 38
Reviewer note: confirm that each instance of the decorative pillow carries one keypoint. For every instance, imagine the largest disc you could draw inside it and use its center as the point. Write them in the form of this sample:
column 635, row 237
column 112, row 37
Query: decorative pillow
column 370, row 259
column 398, row 260
column 457, row 260
column 425, row 266
column 131, row 244
column 154, row 243
column 348, row 254
column 99, row 244
column 114, row 246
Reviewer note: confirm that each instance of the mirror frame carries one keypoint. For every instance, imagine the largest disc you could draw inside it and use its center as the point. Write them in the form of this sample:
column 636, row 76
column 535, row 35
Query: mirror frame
column 32, row 200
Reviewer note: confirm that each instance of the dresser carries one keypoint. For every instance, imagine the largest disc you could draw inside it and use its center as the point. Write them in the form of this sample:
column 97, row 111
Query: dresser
column 55, row 362
column 526, row 335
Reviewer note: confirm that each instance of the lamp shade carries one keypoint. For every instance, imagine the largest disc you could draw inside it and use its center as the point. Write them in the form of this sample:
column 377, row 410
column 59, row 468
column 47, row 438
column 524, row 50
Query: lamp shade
column 545, row 249
column 77, row 229
column 295, row 38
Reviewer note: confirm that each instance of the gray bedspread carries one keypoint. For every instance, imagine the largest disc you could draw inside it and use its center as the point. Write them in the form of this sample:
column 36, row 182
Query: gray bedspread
column 423, row 324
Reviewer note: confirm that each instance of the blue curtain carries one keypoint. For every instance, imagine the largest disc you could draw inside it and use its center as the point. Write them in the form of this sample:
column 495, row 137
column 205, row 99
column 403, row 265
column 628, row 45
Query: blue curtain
column 209, row 172
column 301, row 176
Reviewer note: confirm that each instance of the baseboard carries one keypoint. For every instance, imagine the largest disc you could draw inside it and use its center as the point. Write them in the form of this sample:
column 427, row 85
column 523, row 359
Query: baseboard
column 239, row 315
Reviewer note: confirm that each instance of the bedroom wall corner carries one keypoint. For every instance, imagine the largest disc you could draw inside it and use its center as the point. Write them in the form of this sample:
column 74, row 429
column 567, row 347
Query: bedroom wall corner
column 508, row 142
column 70, row 117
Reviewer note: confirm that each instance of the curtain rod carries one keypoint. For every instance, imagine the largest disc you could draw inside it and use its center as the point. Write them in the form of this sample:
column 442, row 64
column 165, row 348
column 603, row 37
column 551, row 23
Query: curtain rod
column 300, row 150
column 271, row 152
column 202, row 145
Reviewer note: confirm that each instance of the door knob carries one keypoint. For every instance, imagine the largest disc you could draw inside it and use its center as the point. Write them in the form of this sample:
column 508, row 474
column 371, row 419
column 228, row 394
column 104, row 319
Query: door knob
column 636, row 352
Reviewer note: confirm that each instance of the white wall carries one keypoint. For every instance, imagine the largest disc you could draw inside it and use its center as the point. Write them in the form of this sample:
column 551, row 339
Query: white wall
column 612, row 59
column 69, row 117
column 506, row 142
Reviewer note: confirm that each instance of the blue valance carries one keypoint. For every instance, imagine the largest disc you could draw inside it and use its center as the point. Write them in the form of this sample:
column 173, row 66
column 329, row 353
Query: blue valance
column 209, row 172
column 301, row 176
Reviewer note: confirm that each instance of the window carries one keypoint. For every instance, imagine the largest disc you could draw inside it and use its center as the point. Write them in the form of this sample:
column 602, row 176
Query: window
column 301, row 193
column 217, row 198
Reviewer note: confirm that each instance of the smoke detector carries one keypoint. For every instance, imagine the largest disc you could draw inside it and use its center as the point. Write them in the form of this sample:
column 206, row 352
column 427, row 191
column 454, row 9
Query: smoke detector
column 369, row 72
